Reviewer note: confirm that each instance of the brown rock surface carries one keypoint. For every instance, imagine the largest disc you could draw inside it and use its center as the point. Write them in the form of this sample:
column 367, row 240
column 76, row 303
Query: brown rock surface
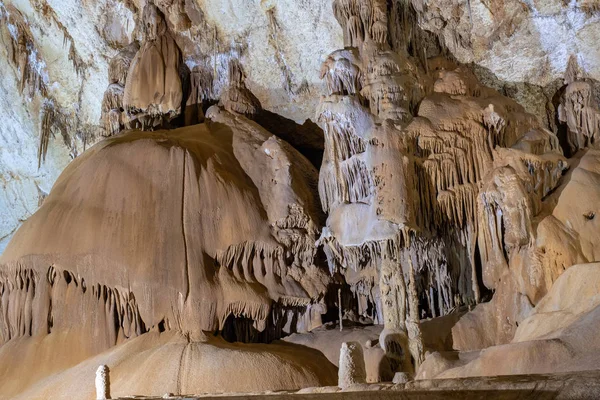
column 175, row 231
column 153, row 90
column 558, row 336
column 454, row 217
column 158, row 363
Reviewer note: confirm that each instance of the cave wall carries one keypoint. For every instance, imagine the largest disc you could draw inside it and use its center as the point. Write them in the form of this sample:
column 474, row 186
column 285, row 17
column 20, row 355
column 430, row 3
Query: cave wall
column 281, row 45
column 69, row 45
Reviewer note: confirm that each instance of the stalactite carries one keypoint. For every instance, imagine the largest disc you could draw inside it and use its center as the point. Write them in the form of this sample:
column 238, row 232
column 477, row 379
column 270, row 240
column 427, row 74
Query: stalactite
column 582, row 117
column 30, row 305
column 53, row 119
column 470, row 164
column 269, row 266
column 153, row 90
column 113, row 116
column 341, row 71
column 33, row 76
column 237, row 98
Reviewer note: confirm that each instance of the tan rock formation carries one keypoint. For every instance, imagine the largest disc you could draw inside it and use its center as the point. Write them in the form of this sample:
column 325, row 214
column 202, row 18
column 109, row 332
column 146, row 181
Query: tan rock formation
column 558, row 336
column 351, row 366
column 419, row 196
column 155, row 363
column 581, row 114
column 237, row 98
column 185, row 230
column 113, row 111
column 447, row 201
column 153, row 92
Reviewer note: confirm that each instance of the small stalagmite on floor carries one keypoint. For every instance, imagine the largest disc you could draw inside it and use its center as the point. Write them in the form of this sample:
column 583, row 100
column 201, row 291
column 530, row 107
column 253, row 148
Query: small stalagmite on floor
column 103, row 383
column 351, row 366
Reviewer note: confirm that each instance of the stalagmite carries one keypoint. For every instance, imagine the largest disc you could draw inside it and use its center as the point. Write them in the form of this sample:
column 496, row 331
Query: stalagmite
column 340, row 311
column 351, row 365
column 103, row 383
column 415, row 337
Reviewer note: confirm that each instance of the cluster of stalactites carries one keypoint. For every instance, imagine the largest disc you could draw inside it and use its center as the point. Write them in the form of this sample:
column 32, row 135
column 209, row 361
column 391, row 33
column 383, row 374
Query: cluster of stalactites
column 441, row 286
column 237, row 98
column 345, row 176
column 366, row 255
column 389, row 83
column 582, row 117
column 483, row 167
column 511, row 195
column 297, row 300
column 392, row 84
column 54, row 119
column 457, row 151
column 362, row 20
column 22, row 52
column 270, row 265
column 33, row 77
column 449, row 170
column 34, row 303
column 113, row 113
column 342, row 72
column 350, row 182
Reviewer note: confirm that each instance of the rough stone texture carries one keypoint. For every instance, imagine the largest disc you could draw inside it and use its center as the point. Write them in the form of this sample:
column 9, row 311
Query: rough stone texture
column 559, row 335
column 351, row 367
column 280, row 45
column 205, row 224
column 519, row 41
column 443, row 193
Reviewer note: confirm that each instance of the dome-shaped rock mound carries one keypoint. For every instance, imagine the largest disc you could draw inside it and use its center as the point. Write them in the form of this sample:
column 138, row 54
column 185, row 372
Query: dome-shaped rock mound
column 180, row 231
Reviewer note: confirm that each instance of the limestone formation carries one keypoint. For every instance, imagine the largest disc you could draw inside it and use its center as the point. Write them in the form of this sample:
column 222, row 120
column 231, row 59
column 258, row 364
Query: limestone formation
column 237, row 98
column 153, row 92
column 102, row 383
column 253, row 277
column 452, row 223
column 558, row 336
column 351, row 365
column 418, row 196
column 581, row 113
column 113, row 111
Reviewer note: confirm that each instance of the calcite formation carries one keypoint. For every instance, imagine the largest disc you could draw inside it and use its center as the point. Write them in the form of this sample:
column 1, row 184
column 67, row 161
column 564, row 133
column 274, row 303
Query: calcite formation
column 153, row 92
column 431, row 181
column 578, row 110
column 253, row 277
column 351, row 365
column 102, row 383
column 450, row 211
column 114, row 117
column 268, row 253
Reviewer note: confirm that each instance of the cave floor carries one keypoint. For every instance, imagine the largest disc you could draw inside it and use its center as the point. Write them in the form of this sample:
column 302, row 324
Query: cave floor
column 572, row 386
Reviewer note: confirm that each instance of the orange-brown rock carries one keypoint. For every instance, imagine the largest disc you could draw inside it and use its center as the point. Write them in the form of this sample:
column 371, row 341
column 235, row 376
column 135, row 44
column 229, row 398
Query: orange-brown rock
column 153, row 91
column 179, row 231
